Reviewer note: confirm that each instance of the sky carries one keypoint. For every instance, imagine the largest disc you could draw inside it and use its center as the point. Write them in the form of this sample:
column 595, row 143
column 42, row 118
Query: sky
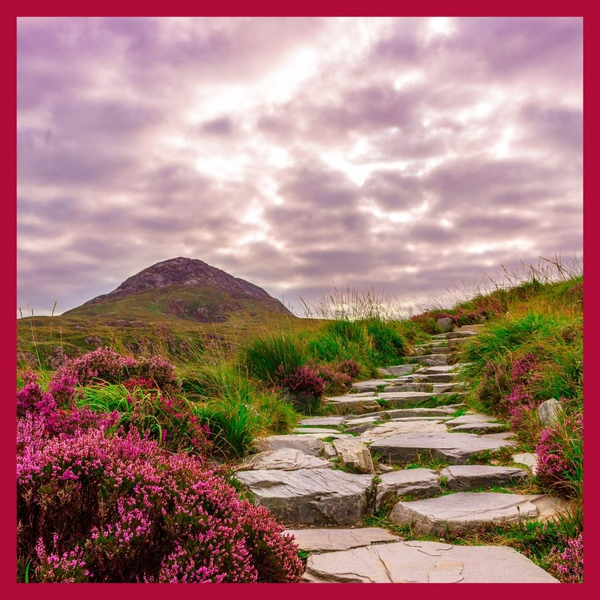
column 402, row 154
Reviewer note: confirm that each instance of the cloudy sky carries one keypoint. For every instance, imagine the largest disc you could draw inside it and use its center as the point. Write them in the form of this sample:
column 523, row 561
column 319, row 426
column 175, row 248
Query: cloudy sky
column 297, row 153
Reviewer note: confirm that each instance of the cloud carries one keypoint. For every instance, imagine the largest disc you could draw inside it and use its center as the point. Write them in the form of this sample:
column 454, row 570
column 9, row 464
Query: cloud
column 403, row 153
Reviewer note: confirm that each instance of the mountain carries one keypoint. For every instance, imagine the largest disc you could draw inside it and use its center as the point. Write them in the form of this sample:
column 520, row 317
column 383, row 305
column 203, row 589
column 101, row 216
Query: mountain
column 185, row 288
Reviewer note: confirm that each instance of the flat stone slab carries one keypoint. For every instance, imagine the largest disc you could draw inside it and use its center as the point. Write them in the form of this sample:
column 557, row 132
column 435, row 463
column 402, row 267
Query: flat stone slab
column 315, row 431
column 472, row 418
column 410, row 387
column 285, row 459
column 472, row 477
column 420, row 483
column 528, row 459
column 371, row 385
column 436, row 378
column 424, row 562
column 455, row 335
column 479, row 428
column 397, row 370
column 411, row 413
column 441, row 388
column 310, row 496
column 354, row 404
column 456, row 448
column 361, row 425
column 322, row 421
column 404, row 426
column 304, row 443
column 430, row 360
column 463, row 511
column 328, row 540
column 436, row 370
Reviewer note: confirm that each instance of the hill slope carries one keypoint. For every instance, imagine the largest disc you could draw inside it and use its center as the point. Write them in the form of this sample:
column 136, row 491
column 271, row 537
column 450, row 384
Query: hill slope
column 184, row 288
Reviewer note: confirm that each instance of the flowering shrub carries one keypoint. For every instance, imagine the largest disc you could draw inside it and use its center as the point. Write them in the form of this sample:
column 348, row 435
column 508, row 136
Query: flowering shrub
column 349, row 367
column 521, row 399
column 560, row 455
column 567, row 564
column 304, row 387
column 111, row 367
column 100, row 508
column 335, row 381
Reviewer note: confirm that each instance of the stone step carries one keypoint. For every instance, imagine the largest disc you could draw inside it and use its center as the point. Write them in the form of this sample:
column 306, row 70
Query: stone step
column 319, row 431
column 432, row 370
column 472, row 477
column 448, row 388
column 420, row 483
column 424, row 562
column 429, row 360
column 397, row 370
column 455, row 448
column 285, row 459
column 330, row 540
column 421, row 350
column 352, row 404
column 464, row 511
column 479, row 428
column 411, row 413
column 410, row 399
column 410, row 387
column 322, row 421
column 436, row 378
column 372, row 385
column 310, row 496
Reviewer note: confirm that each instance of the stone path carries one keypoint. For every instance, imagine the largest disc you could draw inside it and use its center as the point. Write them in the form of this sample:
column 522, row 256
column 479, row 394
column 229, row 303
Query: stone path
column 398, row 446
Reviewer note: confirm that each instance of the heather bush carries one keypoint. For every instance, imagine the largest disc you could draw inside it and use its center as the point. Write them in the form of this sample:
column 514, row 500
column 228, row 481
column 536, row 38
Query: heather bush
column 559, row 450
column 349, row 367
column 567, row 563
column 336, row 382
column 102, row 508
column 108, row 366
column 303, row 387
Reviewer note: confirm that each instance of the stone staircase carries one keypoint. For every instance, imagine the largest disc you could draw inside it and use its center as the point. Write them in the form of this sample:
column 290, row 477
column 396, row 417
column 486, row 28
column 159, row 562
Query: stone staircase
column 335, row 470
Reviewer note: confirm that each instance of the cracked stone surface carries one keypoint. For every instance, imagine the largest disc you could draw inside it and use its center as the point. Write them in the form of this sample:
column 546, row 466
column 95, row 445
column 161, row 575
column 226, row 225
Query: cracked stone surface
column 328, row 540
column 424, row 562
column 472, row 477
column 353, row 404
column 310, row 496
column 456, row 448
column 421, row 483
column 404, row 426
column 463, row 511
column 285, row 459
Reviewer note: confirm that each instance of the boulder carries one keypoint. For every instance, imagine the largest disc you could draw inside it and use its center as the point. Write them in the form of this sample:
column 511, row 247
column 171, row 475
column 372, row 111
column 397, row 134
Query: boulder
column 463, row 511
column 310, row 496
column 472, row 477
column 420, row 483
column 445, row 324
column 354, row 454
column 549, row 412
column 424, row 562
column 327, row 540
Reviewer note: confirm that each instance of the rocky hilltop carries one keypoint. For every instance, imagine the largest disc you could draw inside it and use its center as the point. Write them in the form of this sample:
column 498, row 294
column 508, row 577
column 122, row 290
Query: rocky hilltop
column 184, row 287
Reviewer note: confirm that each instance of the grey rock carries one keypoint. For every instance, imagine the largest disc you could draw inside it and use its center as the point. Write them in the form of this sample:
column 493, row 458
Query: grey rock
column 436, row 369
column 306, row 444
column 354, row 454
column 424, row 562
column 399, row 399
column 371, row 385
column 436, row 378
column 361, row 425
column 322, row 421
column 478, row 428
column 549, row 412
column 456, row 448
column 471, row 418
column 285, row 459
column 430, row 360
column 352, row 404
column 329, row 451
column 472, row 477
column 315, row 431
column 455, row 335
column 421, row 483
column 404, row 426
column 409, row 387
column 528, row 459
column 327, row 540
column 310, row 496
column 462, row 511
column 397, row 370
column 441, row 388
column 445, row 324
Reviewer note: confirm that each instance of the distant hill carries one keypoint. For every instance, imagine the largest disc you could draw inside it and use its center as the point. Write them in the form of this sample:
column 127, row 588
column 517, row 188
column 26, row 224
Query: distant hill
column 185, row 288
